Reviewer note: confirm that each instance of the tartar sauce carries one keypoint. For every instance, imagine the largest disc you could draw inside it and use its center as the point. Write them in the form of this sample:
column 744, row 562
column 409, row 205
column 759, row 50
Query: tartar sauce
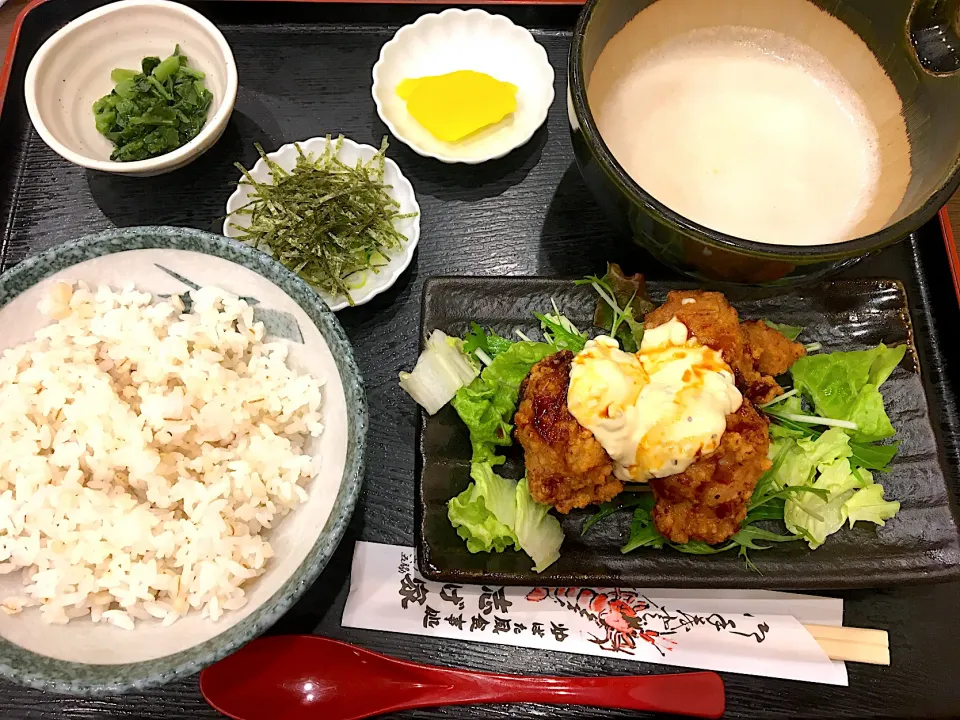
column 657, row 411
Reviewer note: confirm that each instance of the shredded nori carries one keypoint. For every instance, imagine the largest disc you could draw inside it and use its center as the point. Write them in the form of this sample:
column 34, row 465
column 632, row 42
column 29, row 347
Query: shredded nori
column 324, row 220
column 155, row 111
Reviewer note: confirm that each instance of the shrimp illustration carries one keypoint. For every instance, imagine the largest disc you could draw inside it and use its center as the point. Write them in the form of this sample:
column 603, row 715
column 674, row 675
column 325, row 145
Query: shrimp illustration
column 617, row 613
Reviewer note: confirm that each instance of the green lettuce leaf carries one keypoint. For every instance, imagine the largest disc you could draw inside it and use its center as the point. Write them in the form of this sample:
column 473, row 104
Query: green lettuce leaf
column 837, row 490
column 864, row 455
column 814, row 517
column 488, row 404
column 846, row 386
column 538, row 532
column 499, row 494
column 791, row 465
column 868, row 505
column 513, row 365
column 494, row 514
column 784, row 431
column 831, row 446
column 486, row 340
column 795, row 460
column 484, row 409
column 790, row 332
column 478, row 527
column 643, row 533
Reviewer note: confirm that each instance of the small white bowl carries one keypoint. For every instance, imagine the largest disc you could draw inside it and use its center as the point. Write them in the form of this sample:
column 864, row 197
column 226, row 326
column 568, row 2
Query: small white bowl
column 453, row 40
column 72, row 70
column 372, row 283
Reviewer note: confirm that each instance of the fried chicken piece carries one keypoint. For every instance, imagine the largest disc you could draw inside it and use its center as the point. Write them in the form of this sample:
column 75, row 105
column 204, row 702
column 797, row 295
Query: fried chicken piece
column 708, row 316
column 770, row 351
column 709, row 500
column 566, row 466
column 754, row 351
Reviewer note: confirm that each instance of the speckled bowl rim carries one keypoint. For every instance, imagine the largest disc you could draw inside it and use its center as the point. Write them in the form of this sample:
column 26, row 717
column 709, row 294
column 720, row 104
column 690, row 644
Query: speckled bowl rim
column 21, row 666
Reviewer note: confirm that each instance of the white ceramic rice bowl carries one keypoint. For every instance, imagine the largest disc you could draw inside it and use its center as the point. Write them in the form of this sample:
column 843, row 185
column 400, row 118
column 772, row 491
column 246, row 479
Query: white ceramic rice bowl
column 86, row 658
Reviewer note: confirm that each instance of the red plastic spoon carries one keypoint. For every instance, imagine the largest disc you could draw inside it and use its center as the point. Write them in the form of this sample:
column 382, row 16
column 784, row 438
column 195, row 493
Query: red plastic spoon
column 313, row 678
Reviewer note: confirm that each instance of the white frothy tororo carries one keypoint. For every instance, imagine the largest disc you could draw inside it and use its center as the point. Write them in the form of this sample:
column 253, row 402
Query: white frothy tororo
column 746, row 131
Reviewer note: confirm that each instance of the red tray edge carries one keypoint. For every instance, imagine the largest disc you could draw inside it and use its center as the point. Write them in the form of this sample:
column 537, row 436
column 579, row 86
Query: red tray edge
column 946, row 229
column 12, row 50
column 951, row 243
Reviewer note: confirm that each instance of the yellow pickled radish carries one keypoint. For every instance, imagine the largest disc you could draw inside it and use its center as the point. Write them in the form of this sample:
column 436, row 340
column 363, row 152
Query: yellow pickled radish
column 456, row 105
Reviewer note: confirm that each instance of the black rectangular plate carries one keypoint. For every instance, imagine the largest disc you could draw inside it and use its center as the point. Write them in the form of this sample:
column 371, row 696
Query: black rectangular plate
column 920, row 544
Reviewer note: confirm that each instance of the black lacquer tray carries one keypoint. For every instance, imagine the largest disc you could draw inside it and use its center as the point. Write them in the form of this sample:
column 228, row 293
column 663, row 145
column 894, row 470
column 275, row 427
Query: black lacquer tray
column 305, row 71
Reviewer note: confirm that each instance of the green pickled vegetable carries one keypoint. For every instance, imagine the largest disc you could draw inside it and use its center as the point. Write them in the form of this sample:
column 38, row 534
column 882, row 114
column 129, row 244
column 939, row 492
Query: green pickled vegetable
column 154, row 111
column 325, row 220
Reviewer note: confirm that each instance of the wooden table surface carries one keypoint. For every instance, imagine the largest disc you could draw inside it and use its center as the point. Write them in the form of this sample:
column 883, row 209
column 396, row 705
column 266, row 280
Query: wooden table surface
column 9, row 12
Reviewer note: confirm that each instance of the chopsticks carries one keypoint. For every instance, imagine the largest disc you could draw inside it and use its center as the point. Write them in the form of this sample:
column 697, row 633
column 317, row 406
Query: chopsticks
column 853, row 644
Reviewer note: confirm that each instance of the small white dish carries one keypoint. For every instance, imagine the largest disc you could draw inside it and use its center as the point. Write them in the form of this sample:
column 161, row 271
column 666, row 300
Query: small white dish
column 372, row 283
column 453, row 40
column 72, row 70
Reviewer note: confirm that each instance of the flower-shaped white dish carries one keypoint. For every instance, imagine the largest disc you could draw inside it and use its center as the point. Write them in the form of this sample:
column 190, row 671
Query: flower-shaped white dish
column 371, row 283
column 454, row 40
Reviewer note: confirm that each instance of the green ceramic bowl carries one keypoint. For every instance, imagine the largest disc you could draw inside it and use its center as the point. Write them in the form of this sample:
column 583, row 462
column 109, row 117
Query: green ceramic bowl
column 913, row 43
column 90, row 659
